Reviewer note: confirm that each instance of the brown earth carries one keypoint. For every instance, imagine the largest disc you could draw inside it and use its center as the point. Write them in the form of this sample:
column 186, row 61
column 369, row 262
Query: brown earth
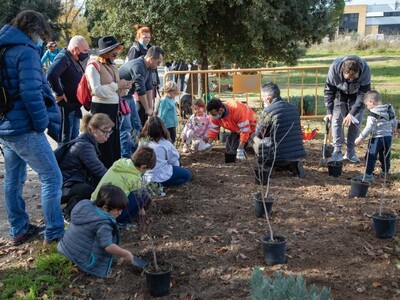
column 208, row 232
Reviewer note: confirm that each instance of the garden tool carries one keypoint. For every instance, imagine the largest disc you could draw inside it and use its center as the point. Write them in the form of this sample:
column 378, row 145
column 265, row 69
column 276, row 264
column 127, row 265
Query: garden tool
column 139, row 262
column 323, row 161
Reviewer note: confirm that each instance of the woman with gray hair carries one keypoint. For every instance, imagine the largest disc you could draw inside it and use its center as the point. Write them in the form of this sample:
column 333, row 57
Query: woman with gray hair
column 22, row 128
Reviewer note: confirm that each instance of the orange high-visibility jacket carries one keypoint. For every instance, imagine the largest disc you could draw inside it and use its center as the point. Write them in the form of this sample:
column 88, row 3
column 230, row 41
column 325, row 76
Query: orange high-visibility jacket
column 240, row 119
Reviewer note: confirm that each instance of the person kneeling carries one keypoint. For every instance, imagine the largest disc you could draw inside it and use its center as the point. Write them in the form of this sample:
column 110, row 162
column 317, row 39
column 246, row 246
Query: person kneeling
column 279, row 130
column 126, row 173
column 92, row 237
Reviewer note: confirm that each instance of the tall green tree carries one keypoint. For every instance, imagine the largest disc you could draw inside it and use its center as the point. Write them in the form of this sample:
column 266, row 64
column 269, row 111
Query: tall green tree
column 247, row 33
column 49, row 8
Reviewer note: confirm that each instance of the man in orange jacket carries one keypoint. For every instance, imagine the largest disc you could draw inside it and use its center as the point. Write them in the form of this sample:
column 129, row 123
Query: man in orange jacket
column 235, row 116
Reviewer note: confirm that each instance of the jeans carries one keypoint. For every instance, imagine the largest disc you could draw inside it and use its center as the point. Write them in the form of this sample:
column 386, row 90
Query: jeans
column 130, row 128
column 70, row 125
column 340, row 111
column 179, row 176
column 33, row 149
column 172, row 134
column 136, row 200
column 379, row 146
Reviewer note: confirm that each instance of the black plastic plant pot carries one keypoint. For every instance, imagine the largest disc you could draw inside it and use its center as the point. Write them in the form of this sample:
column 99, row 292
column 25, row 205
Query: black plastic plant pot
column 158, row 281
column 230, row 158
column 335, row 168
column 359, row 188
column 259, row 205
column 261, row 176
column 385, row 225
column 274, row 250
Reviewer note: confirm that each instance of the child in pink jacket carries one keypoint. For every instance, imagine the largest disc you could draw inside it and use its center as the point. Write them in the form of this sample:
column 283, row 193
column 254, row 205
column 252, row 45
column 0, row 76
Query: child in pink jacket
column 195, row 133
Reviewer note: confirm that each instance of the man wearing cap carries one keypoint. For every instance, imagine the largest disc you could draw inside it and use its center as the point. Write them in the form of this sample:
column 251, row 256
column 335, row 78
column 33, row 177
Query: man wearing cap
column 139, row 70
column 64, row 76
column 349, row 78
column 51, row 53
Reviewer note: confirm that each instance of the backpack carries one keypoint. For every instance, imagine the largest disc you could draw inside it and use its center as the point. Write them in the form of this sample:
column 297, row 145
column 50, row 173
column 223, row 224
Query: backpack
column 60, row 152
column 83, row 92
column 6, row 100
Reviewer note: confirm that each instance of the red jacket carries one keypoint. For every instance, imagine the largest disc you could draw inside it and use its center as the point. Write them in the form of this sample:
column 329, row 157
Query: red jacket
column 238, row 118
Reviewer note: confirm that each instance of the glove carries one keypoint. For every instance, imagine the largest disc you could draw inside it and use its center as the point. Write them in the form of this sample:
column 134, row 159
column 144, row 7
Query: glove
column 240, row 155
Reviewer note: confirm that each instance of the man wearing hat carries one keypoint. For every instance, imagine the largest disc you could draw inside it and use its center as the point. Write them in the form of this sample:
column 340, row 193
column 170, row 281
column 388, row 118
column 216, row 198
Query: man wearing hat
column 139, row 70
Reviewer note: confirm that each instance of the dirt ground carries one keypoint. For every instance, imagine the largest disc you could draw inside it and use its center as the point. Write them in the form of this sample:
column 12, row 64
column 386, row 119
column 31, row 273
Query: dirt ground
column 208, row 231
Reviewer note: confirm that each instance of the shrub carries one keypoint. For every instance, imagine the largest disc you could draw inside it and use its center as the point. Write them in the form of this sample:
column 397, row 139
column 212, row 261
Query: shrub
column 282, row 287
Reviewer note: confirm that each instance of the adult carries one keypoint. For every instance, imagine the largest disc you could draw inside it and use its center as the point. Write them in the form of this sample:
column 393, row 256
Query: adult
column 80, row 165
column 106, row 88
column 139, row 70
column 278, row 132
column 180, row 65
column 235, row 116
column 64, row 76
column 50, row 53
column 22, row 129
column 349, row 78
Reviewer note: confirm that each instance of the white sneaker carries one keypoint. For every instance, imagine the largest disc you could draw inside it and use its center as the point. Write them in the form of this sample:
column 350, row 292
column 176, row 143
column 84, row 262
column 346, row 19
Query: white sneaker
column 203, row 146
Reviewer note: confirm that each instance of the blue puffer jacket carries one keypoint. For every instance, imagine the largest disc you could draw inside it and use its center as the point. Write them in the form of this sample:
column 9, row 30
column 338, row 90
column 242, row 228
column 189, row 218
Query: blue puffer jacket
column 285, row 117
column 35, row 108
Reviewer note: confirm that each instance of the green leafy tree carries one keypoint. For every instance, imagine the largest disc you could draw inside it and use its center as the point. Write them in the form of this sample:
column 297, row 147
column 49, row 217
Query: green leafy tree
column 49, row 8
column 247, row 33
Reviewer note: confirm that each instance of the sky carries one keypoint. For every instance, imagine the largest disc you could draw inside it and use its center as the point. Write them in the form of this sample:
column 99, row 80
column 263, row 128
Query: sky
column 370, row 2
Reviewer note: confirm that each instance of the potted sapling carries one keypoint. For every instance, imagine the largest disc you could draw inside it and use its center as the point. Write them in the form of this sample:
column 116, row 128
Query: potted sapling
column 385, row 222
column 158, row 273
column 274, row 246
column 360, row 184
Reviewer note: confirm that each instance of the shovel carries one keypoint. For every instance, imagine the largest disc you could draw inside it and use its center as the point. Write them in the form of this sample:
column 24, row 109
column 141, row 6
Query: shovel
column 139, row 262
column 323, row 161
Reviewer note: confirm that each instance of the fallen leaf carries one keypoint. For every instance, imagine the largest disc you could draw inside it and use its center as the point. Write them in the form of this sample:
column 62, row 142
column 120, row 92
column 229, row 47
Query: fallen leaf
column 225, row 277
column 377, row 284
column 243, row 256
column 222, row 250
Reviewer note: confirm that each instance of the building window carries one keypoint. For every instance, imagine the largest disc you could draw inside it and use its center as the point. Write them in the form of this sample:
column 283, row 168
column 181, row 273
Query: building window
column 349, row 23
column 389, row 29
column 391, row 14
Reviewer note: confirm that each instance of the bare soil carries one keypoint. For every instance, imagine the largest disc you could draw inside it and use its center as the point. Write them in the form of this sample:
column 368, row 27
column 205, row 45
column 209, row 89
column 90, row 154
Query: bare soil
column 208, row 231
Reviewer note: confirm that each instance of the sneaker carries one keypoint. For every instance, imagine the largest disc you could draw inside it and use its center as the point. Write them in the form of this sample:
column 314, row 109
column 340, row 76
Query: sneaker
column 195, row 146
column 48, row 242
column 336, row 156
column 185, row 148
column 368, row 177
column 352, row 157
column 32, row 231
column 204, row 146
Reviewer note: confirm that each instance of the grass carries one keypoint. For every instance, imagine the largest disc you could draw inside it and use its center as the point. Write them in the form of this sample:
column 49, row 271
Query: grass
column 48, row 276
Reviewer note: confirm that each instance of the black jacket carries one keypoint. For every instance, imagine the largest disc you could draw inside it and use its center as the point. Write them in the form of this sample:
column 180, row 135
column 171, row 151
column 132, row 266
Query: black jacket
column 81, row 162
column 285, row 119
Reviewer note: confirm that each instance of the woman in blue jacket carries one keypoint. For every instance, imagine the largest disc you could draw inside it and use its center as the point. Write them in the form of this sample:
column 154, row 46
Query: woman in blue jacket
column 22, row 129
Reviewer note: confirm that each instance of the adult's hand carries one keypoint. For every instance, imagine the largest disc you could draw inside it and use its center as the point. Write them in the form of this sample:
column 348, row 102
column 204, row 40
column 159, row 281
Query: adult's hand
column 328, row 117
column 61, row 98
column 348, row 120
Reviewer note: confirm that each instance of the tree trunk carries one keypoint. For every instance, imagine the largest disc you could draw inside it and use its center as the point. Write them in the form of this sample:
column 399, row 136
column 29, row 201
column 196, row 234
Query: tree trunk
column 203, row 65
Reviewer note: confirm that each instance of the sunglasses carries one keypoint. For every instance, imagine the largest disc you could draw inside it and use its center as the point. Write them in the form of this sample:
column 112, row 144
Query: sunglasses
column 115, row 54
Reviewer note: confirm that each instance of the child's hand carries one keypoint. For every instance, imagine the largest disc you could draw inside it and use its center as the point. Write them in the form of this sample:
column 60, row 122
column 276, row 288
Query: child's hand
column 142, row 212
column 358, row 141
column 128, row 257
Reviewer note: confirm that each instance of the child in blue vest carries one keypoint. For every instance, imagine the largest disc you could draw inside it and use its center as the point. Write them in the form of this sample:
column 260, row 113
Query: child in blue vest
column 92, row 238
column 381, row 124
column 167, row 109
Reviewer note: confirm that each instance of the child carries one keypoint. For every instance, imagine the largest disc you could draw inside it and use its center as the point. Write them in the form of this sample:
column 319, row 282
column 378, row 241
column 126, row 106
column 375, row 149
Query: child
column 381, row 124
column 126, row 173
column 167, row 109
column 167, row 170
column 92, row 238
column 195, row 132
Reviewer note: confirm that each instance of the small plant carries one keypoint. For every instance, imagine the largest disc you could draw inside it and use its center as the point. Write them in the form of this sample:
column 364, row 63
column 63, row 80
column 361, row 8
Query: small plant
column 284, row 287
